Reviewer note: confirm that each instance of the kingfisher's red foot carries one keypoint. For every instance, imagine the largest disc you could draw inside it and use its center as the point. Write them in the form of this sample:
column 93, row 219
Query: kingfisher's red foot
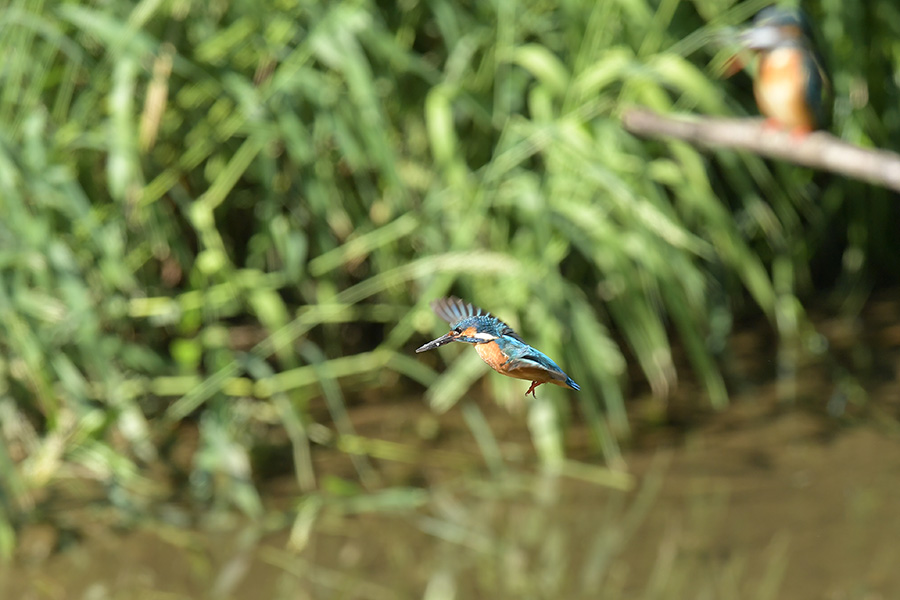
column 534, row 384
column 798, row 133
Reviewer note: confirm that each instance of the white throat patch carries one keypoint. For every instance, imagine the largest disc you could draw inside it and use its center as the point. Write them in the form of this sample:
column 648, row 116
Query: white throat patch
column 484, row 336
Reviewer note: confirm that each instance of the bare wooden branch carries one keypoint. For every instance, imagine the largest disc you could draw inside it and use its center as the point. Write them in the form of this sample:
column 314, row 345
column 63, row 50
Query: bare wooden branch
column 818, row 150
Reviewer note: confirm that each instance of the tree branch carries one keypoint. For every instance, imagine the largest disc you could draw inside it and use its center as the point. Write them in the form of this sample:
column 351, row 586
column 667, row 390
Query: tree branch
column 819, row 150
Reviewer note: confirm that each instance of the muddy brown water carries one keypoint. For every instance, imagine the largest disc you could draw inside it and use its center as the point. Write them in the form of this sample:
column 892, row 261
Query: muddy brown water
column 792, row 492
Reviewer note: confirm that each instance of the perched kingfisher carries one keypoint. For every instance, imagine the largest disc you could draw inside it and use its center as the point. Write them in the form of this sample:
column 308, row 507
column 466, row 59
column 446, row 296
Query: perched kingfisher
column 497, row 344
column 792, row 85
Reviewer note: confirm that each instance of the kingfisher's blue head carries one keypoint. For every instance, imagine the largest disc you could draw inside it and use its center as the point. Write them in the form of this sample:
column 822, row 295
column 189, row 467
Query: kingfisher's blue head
column 775, row 27
column 468, row 324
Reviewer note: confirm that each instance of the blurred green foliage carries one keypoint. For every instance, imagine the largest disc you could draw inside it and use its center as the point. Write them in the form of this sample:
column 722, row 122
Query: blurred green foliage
column 217, row 212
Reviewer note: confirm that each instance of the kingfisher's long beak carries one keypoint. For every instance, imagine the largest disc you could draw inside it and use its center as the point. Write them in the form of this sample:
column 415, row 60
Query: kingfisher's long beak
column 444, row 339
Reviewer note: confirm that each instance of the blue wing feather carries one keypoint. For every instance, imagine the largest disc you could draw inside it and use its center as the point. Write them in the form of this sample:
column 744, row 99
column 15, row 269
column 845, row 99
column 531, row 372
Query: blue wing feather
column 818, row 87
column 523, row 356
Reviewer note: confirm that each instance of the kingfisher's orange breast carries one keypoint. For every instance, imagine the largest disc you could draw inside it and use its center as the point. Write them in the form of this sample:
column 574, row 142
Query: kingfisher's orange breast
column 780, row 88
column 491, row 354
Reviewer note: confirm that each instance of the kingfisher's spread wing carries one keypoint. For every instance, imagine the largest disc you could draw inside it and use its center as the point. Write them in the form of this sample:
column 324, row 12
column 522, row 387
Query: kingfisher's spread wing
column 453, row 310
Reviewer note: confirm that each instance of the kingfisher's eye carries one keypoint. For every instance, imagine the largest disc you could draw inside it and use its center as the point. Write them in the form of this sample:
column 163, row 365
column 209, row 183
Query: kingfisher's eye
column 457, row 331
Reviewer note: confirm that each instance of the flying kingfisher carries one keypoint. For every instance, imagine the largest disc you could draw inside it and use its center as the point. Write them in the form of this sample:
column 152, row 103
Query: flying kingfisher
column 497, row 344
column 792, row 86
